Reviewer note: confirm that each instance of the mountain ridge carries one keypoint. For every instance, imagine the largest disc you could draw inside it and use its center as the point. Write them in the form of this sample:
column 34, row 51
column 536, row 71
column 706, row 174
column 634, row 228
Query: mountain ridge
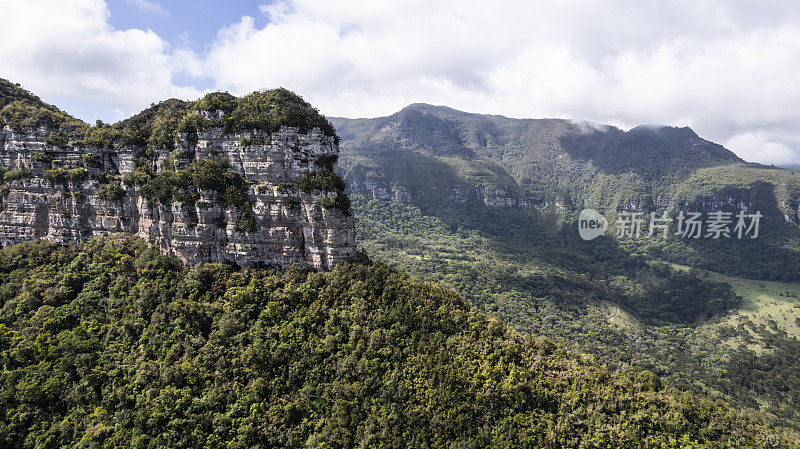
column 540, row 154
column 445, row 112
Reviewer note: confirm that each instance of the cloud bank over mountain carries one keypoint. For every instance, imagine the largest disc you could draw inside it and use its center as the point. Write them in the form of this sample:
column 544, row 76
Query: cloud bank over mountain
column 726, row 68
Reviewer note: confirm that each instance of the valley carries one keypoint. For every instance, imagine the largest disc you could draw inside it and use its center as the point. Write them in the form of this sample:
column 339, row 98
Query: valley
column 488, row 205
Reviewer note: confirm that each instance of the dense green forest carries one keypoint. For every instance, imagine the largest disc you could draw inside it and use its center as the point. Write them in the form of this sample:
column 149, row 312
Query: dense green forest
column 534, row 272
column 110, row 343
column 637, row 343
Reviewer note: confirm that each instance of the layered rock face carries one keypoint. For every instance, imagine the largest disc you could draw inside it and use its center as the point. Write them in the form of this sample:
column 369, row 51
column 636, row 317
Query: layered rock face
column 284, row 224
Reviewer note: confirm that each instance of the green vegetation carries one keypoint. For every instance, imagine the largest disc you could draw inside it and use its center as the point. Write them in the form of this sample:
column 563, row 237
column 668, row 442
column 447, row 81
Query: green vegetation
column 113, row 344
column 775, row 255
column 246, row 223
column 271, row 109
column 63, row 175
column 112, row 191
column 323, row 180
column 16, row 173
column 437, row 154
column 37, row 156
column 23, row 114
column 156, row 127
column 341, row 202
column 284, row 187
column 327, row 161
column 182, row 185
column 532, row 271
column 22, row 110
column 607, row 298
column 56, row 139
column 291, row 204
column 10, row 92
column 250, row 141
column 91, row 160
column 159, row 126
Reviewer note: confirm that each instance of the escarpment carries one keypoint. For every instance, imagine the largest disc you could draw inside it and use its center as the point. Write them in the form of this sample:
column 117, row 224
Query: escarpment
column 247, row 180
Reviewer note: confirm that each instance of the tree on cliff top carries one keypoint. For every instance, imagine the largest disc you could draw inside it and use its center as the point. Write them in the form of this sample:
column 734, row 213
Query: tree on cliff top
column 159, row 125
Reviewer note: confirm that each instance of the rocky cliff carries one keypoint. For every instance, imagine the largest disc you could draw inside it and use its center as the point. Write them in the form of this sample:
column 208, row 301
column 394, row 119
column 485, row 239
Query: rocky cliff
column 218, row 188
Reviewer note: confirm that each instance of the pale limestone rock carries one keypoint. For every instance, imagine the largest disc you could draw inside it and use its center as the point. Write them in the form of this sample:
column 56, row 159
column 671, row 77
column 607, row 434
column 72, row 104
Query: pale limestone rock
column 308, row 233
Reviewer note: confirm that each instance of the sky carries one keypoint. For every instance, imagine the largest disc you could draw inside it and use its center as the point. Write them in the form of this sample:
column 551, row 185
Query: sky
column 727, row 68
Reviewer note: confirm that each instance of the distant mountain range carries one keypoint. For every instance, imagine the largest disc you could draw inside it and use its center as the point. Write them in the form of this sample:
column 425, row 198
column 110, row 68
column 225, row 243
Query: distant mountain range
column 425, row 155
column 551, row 161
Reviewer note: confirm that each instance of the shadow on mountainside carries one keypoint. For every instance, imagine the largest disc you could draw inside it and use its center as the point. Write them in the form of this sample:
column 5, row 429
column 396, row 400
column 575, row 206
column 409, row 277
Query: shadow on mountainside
column 647, row 151
column 541, row 256
column 770, row 256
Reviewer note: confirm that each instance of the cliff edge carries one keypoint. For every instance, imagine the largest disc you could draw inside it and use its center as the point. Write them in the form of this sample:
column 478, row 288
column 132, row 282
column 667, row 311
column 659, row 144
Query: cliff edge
column 247, row 180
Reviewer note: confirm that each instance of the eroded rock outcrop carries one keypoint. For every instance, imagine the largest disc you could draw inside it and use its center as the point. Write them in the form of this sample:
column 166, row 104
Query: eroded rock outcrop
column 214, row 194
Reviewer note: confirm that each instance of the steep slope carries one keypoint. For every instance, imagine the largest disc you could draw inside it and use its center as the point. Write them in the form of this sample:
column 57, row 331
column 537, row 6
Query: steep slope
column 10, row 92
column 488, row 204
column 248, row 180
column 428, row 155
column 111, row 343
column 550, row 160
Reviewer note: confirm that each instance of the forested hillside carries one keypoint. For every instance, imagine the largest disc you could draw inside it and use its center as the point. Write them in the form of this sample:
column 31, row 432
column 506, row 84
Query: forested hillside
column 487, row 205
column 111, row 343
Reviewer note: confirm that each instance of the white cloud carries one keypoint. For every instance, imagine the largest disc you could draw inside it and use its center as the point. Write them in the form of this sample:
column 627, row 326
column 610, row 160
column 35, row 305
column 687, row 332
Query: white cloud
column 724, row 67
column 149, row 6
column 65, row 52
column 756, row 147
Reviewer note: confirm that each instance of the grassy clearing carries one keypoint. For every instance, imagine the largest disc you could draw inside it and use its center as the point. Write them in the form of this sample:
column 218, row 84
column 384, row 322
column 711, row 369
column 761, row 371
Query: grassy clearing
column 774, row 305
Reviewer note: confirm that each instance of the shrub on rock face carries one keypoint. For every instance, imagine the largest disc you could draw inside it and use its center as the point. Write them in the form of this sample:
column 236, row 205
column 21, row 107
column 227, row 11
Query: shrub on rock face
column 327, row 161
column 341, row 202
column 64, row 175
column 111, row 192
column 37, row 156
column 182, row 185
column 91, row 160
column 291, row 204
column 324, row 180
column 247, row 222
column 17, row 173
